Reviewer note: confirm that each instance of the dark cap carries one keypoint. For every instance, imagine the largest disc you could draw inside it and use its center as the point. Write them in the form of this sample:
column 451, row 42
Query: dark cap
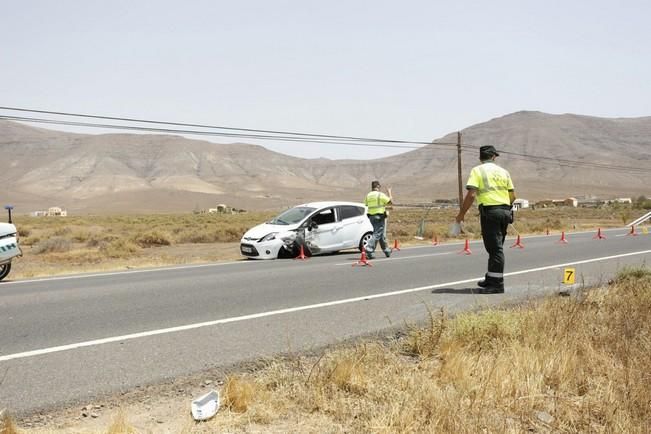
column 375, row 184
column 486, row 152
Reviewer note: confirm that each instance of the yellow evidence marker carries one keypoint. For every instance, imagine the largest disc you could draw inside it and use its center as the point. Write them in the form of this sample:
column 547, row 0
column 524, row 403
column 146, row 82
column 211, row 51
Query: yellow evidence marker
column 569, row 275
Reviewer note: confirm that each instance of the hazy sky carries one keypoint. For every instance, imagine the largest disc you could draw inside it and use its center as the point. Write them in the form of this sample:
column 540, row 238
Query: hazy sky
column 412, row 70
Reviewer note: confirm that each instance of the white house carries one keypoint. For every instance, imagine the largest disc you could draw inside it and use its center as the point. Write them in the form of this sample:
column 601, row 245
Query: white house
column 520, row 204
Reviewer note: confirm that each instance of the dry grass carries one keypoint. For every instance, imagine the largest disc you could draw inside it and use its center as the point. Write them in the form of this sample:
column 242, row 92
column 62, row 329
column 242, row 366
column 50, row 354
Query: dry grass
column 120, row 425
column 7, row 425
column 239, row 393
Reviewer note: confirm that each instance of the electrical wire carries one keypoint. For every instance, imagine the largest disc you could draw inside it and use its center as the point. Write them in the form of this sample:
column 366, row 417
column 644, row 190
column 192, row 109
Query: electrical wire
column 289, row 136
column 286, row 133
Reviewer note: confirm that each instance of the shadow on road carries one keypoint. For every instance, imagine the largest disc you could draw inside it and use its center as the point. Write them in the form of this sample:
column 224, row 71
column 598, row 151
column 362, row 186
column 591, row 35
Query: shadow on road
column 456, row 291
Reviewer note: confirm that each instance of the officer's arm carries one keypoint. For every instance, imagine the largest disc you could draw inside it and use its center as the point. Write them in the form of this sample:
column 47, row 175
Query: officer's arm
column 512, row 196
column 467, row 203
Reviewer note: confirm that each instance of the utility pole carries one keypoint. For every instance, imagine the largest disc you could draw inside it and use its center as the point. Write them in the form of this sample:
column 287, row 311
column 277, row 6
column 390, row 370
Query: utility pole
column 459, row 168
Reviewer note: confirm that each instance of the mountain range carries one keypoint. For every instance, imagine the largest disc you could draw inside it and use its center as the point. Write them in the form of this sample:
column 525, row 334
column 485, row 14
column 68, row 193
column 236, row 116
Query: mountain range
column 549, row 156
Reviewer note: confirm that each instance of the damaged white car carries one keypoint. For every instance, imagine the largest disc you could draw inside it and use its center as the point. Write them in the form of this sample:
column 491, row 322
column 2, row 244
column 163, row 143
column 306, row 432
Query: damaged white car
column 320, row 227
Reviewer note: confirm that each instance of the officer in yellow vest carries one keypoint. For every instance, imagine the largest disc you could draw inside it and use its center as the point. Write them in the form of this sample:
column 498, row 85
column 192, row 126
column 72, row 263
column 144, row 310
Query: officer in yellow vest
column 493, row 188
column 376, row 202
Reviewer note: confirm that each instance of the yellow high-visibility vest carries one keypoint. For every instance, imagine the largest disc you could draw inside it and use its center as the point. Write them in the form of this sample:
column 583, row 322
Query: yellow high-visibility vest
column 492, row 183
column 376, row 202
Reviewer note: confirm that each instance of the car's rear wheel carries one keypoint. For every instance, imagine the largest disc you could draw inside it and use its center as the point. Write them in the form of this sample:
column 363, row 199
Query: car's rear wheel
column 366, row 238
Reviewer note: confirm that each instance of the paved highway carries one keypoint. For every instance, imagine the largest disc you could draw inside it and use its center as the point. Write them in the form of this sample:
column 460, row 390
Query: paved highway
column 66, row 340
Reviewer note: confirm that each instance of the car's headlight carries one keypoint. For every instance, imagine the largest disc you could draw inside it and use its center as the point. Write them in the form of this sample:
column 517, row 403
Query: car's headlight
column 268, row 237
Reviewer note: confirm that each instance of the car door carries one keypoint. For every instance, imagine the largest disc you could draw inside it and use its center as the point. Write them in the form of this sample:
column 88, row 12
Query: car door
column 327, row 233
column 352, row 220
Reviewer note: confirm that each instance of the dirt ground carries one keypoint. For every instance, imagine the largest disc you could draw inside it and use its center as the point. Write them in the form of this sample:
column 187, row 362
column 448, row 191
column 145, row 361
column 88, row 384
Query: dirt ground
column 31, row 265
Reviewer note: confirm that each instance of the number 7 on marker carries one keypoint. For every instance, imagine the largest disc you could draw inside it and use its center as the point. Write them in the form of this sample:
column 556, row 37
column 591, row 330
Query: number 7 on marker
column 568, row 276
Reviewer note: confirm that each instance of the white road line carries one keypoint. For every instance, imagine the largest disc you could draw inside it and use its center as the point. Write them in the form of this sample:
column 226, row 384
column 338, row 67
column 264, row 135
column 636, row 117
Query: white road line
column 393, row 258
column 122, row 338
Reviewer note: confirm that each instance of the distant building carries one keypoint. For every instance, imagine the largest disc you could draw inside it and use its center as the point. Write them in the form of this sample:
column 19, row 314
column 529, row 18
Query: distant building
column 548, row 203
column 221, row 209
column 623, row 200
column 520, row 204
column 571, row 201
column 53, row 211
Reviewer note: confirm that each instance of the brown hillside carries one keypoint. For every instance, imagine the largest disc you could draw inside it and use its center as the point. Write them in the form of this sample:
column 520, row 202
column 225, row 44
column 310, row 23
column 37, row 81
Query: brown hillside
column 163, row 173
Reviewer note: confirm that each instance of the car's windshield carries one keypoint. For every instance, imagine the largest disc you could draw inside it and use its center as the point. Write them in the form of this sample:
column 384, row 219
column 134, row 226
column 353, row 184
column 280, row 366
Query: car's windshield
column 292, row 216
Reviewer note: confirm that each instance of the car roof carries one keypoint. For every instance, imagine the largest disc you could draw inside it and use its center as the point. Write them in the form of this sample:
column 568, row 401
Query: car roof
column 326, row 204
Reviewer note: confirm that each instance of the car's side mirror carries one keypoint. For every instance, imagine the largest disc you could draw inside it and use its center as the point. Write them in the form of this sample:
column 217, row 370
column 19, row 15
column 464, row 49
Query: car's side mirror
column 312, row 225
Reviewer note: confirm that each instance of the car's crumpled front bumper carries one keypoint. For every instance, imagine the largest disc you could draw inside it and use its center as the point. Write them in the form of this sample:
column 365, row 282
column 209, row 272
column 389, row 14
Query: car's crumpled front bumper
column 289, row 241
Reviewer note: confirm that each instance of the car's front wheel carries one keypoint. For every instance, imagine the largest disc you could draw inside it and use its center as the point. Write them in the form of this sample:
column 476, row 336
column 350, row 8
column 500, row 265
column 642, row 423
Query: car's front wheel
column 366, row 238
column 4, row 270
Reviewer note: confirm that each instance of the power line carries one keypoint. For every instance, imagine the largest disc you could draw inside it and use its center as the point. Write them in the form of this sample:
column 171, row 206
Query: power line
column 573, row 163
column 181, row 124
column 376, row 143
column 301, row 137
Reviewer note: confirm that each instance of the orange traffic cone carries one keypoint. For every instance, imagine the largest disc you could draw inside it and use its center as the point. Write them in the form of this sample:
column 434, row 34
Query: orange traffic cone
column 363, row 261
column 599, row 235
column 435, row 240
column 632, row 232
column 301, row 254
column 396, row 245
column 466, row 249
column 563, row 239
column 518, row 243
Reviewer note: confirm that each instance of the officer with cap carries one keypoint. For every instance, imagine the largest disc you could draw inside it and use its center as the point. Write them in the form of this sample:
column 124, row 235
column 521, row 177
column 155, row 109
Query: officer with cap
column 376, row 202
column 493, row 188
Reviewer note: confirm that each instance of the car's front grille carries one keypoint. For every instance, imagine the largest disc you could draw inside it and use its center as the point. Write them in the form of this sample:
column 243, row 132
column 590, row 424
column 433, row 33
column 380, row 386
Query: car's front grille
column 248, row 250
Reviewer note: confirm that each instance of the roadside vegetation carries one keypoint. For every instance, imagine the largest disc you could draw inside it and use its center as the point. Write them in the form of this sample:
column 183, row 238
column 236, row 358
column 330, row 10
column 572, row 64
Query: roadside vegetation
column 62, row 245
column 560, row 364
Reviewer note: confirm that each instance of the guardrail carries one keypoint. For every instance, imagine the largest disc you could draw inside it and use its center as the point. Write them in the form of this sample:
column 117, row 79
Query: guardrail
column 640, row 220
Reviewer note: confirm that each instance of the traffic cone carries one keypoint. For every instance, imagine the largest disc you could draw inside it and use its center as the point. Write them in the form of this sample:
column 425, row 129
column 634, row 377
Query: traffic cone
column 563, row 239
column 518, row 243
column 466, row 249
column 396, row 245
column 435, row 240
column 301, row 254
column 632, row 232
column 599, row 235
column 363, row 261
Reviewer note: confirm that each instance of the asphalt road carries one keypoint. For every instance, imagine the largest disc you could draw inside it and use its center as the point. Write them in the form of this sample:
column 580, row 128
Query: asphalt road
column 67, row 340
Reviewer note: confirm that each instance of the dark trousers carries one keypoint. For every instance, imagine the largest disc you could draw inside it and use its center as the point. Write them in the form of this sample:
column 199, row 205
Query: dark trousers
column 494, row 223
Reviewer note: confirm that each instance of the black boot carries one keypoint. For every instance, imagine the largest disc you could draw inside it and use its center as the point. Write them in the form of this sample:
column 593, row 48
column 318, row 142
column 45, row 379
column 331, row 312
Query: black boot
column 483, row 283
column 491, row 286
